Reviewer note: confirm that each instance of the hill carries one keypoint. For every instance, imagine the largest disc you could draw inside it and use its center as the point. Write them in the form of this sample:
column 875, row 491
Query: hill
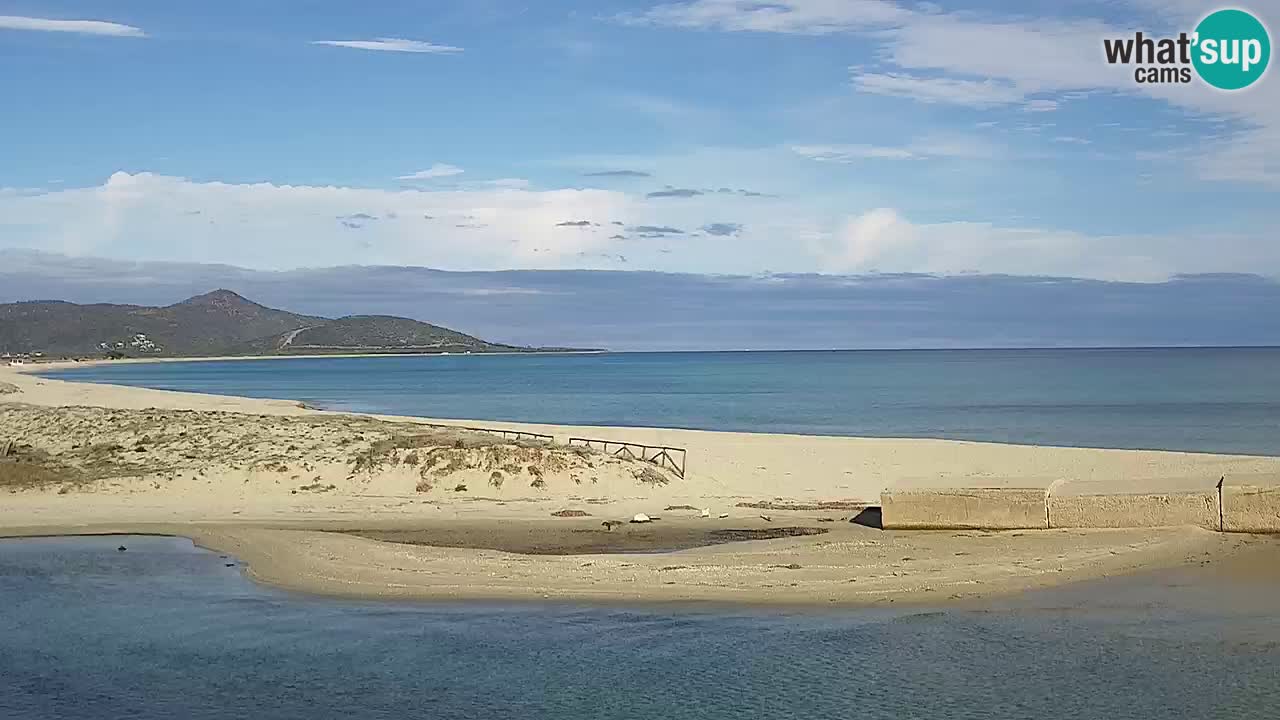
column 371, row 333
column 216, row 323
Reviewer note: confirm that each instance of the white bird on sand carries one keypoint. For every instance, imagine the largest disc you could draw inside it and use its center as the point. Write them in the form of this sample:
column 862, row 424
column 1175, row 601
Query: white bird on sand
column 706, row 512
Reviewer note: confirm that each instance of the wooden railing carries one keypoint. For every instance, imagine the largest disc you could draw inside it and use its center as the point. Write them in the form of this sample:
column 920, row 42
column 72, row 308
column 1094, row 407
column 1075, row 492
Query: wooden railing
column 669, row 458
column 511, row 434
column 666, row 457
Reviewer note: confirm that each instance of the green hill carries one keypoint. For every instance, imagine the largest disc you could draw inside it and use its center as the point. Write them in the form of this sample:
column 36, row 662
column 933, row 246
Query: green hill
column 371, row 333
column 216, row 323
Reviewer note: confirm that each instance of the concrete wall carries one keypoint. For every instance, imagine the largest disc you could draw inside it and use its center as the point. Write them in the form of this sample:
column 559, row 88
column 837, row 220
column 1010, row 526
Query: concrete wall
column 963, row 508
column 1250, row 508
column 1139, row 510
column 1245, row 504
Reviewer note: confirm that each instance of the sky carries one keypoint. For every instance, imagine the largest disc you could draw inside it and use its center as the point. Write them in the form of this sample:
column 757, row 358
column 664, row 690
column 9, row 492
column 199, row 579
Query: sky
column 697, row 136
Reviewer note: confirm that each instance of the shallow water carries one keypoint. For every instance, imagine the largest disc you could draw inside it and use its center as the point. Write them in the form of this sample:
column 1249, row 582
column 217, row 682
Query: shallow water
column 1211, row 400
column 166, row 630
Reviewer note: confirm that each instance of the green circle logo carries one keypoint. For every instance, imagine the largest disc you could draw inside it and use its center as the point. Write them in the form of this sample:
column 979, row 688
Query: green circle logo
column 1232, row 49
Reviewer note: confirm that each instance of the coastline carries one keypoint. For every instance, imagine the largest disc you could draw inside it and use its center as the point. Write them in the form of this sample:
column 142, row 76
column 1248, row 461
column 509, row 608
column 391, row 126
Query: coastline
column 288, row 539
column 197, row 400
column 55, row 365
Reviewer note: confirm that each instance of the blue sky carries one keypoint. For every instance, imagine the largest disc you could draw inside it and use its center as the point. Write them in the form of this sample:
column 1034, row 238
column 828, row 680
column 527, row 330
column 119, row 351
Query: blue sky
column 702, row 136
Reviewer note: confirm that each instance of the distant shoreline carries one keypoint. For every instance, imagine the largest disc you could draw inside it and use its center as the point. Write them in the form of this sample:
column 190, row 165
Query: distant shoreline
column 474, row 407
column 608, row 351
column 36, row 367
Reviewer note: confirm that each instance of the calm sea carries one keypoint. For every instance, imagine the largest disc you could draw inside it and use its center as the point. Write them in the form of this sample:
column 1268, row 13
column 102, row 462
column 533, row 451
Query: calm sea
column 166, row 631
column 1212, row 400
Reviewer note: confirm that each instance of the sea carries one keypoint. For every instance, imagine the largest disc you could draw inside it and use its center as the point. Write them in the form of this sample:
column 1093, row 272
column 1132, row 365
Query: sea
column 1196, row 399
column 166, row 630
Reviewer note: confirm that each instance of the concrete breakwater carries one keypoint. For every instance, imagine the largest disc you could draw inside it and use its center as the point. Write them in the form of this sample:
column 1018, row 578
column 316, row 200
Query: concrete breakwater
column 1229, row 503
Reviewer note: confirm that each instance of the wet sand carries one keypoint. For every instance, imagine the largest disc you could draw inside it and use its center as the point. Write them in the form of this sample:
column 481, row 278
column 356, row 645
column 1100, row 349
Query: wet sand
column 1223, row 598
column 849, row 565
column 584, row 538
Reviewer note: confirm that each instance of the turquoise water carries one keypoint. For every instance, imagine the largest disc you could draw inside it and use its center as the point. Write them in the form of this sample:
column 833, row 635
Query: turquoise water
column 166, row 631
column 1211, row 400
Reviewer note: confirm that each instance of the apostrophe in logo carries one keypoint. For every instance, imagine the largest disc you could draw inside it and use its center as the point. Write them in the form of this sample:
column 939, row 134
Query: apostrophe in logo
column 1229, row 50
column 1232, row 51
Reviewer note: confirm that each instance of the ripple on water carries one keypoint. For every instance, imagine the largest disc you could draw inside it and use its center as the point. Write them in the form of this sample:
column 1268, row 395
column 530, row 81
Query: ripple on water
column 166, row 631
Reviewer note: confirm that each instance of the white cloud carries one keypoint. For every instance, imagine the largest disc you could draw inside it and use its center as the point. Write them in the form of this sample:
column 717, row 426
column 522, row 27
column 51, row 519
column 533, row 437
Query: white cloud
column 954, row 146
column 1180, row 13
column 982, row 60
column 1056, row 56
column 1030, row 56
column 958, row 91
column 508, row 183
column 1040, row 105
column 82, row 27
column 265, row 225
column 851, row 153
column 1250, row 156
column 869, row 238
column 661, row 108
column 883, row 240
column 270, row 226
column 391, row 45
column 809, row 17
column 928, row 147
column 438, row 170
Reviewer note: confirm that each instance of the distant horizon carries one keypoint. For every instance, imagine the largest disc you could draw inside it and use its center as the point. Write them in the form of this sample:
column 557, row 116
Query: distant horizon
column 657, row 311
column 723, row 351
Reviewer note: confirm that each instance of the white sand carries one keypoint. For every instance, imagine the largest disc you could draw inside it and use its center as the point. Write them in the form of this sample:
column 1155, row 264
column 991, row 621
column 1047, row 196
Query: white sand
column 259, row 512
column 759, row 466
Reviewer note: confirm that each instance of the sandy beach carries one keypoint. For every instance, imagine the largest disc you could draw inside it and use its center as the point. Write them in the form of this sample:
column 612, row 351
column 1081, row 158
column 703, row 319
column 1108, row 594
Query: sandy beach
column 393, row 507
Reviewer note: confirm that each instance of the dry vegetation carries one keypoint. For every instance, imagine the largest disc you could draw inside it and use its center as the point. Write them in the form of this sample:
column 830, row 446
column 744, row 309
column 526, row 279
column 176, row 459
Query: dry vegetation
column 650, row 475
column 438, row 455
column 81, row 445
column 31, row 469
